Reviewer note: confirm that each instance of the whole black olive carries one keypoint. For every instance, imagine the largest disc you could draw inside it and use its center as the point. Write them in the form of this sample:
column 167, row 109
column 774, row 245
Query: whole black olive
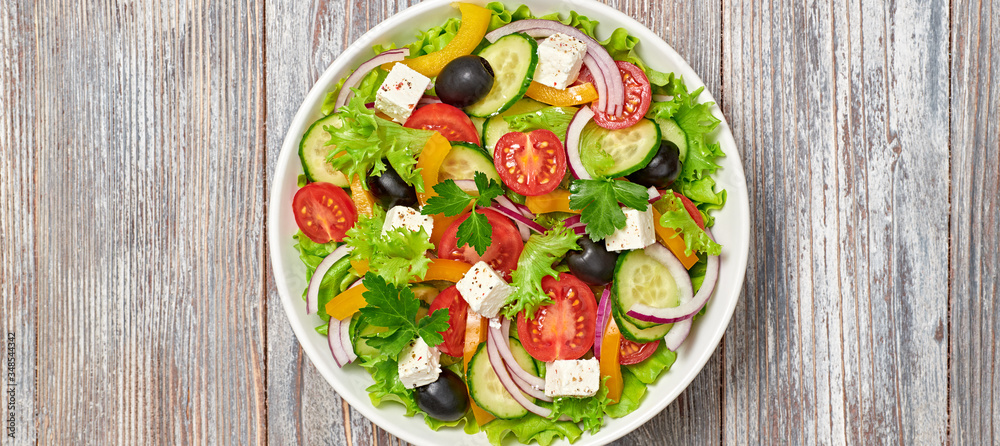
column 445, row 399
column 662, row 170
column 464, row 81
column 390, row 190
column 593, row 264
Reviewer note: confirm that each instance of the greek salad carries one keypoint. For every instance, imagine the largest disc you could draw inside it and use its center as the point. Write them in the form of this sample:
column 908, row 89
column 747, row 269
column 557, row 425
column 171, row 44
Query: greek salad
column 507, row 223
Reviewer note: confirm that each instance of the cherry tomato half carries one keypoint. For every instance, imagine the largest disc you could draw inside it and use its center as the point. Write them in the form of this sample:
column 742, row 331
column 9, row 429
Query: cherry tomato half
column 692, row 209
column 323, row 212
column 638, row 94
column 451, row 122
column 563, row 329
column 454, row 337
column 503, row 252
column 633, row 352
column 530, row 163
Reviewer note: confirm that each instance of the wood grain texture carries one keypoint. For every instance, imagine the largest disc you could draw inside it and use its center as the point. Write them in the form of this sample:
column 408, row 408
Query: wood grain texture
column 149, row 216
column 975, row 226
column 18, row 287
column 841, row 111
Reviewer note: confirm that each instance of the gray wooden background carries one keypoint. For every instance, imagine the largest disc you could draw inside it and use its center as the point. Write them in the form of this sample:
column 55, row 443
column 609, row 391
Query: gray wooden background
column 138, row 140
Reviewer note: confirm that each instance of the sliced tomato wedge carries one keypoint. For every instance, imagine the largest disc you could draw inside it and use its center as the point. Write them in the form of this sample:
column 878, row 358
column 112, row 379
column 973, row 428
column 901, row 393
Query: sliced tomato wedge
column 323, row 212
column 692, row 209
column 454, row 337
column 451, row 122
column 503, row 252
column 633, row 352
column 638, row 95
column 563, row 329
column 530, row 163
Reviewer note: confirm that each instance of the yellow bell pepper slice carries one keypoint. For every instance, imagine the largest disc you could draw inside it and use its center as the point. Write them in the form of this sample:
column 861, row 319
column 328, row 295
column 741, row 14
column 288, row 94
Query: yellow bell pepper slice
column 610, row 366
column 475, row 23
column 429, row 163
column 575, row 95
column 673, row 242
column 555, row 201
column 444, row 269
column 350, row 300
column 345, row 304
column 362, row 199
column 475, row 334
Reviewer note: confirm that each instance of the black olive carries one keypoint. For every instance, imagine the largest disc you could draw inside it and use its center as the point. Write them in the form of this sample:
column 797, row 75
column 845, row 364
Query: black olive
column 662, row 170
column 464, row 81
column 445, row 399
column 390, row 190
column 593, row 264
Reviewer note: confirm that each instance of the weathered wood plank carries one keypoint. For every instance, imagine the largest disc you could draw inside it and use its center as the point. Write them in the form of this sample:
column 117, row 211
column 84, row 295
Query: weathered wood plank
column 840, row 110
column 149, row 222
column 18, row 316
column 975, row 228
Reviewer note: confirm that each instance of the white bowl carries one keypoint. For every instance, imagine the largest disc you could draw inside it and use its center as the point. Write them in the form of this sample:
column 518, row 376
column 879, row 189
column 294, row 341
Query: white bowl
column 732, row 230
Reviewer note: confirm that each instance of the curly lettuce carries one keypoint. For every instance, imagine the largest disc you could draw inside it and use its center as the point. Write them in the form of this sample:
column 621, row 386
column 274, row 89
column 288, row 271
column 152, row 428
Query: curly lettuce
column 539, row 254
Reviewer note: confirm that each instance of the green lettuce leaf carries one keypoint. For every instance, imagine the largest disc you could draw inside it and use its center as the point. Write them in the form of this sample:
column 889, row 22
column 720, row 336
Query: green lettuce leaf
column 621, row 46
column 364, row 140
column 531, row 428
column 539, row 254
column 632, row 392
column 589, row 411
column 649, row 369
column 366, row 89
column 503, row 16
column 398, row 255
column 555, row 119
column 429, row 41
column 676, row 217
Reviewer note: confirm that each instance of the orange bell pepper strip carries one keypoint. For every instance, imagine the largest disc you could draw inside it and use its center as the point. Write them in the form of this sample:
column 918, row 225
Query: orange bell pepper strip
column 475, row 334
column 441, row 224
column 444, row 269
column 674, row 242
column 610, row 367
column 429, row 163
column 555, row 201
column 575, row 95
column 362, row 199
column 360, row 266
column 475, row 23
column 345, row 304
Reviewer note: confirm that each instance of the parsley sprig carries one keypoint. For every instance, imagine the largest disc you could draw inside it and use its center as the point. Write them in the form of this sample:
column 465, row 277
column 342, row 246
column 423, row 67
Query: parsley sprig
column 451, row 200
column 396, row 309
column 598, row 201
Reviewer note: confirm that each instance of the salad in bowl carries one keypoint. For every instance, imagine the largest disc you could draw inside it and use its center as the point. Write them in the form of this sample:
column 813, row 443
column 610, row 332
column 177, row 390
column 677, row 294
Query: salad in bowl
column 506, row 226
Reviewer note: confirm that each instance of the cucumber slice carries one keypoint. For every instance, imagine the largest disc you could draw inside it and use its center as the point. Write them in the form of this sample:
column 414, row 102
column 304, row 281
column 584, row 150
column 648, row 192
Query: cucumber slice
column 487, row 390
column 359, row 329
column 616, row 153
column 478, row 123
column 464, row 160
column 636, row 334
column 670, row 131
column 313, row 151
column 639, row 278
column 513, row 60
column 494, row 128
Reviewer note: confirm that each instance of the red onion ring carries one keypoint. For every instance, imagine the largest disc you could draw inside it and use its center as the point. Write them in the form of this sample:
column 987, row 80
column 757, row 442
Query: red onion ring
column 576, row 125
column 520, row 219
column 603, row 314
column 508, row 383
column 428, row 99
column 685, row 310
column 312, row 293
column 355, row 78
column 334, row 337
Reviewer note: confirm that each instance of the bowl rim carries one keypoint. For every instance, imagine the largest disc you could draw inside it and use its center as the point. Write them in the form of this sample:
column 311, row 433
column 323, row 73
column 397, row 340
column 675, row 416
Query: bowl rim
column 737, row 199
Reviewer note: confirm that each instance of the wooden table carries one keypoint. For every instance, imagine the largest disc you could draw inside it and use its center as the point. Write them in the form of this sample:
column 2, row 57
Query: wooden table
column 138, row 141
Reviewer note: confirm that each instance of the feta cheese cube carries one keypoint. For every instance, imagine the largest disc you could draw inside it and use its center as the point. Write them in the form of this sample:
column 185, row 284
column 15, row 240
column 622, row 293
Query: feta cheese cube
column 399, row 93
column 638, row 232
column 407, row 217
column 419, row 365
column 484, row 289
column 579, row 377
column 560, row 57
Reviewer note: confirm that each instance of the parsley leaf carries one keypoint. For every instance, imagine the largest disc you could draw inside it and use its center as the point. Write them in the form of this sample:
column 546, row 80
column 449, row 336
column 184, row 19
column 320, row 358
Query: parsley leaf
column 398, row 255
column 695, row 239
column 451, row 200
column 396, row 308
column 362, row 140
column 539, row 254
column 598, row 201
